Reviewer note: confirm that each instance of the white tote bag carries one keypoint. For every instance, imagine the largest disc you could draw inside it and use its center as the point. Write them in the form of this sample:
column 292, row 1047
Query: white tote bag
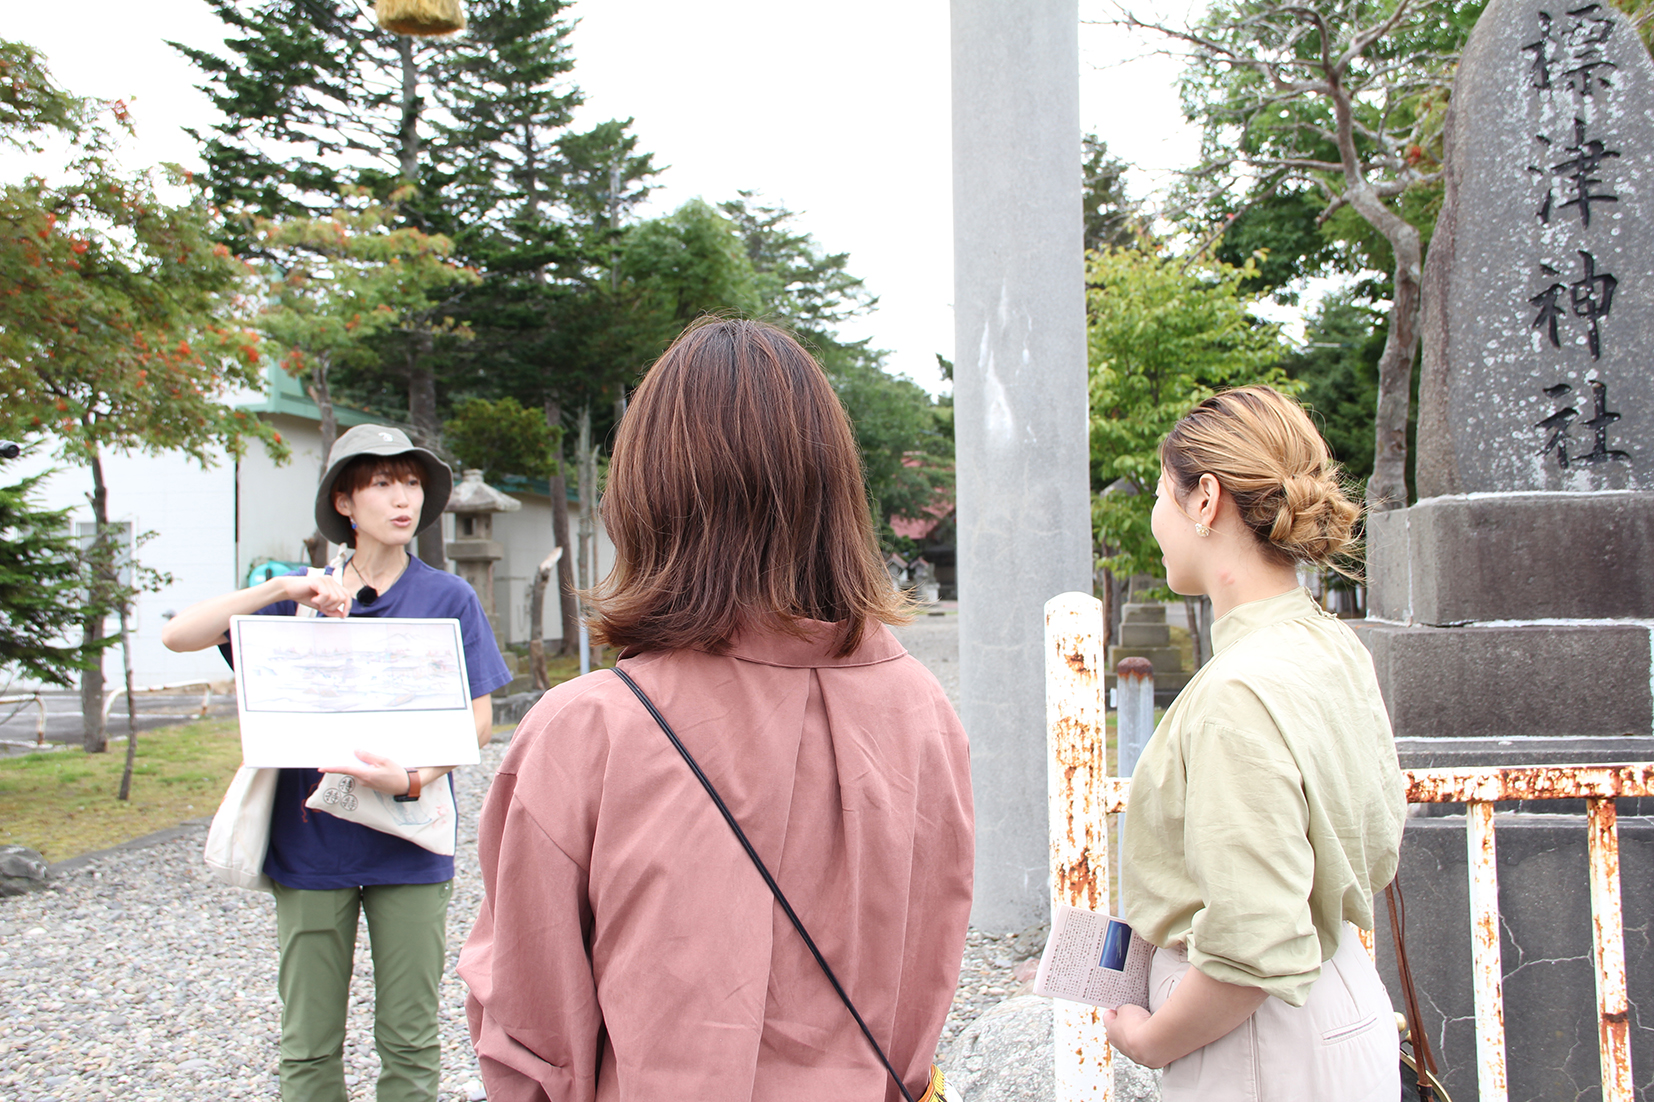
column 239, row 837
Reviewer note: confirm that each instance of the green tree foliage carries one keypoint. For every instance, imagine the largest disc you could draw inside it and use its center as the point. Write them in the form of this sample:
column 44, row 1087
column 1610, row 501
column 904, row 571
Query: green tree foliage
column 905, row 439
column 1111, row 218
column 685, row 264
column 1165, row 332
column 506, row 108
column 314, row 98
column 112, row 322
column 338, row 286
column 502, row 439
column 1346, row 103
column 31, row 103
column 1338, row 367
column 41, row 589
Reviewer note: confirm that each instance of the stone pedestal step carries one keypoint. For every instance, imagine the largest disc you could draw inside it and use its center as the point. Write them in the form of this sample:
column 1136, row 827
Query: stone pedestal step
column 1145, row 635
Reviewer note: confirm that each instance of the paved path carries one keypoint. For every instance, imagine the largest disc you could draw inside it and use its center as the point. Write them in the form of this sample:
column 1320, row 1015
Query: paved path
column 933, row 639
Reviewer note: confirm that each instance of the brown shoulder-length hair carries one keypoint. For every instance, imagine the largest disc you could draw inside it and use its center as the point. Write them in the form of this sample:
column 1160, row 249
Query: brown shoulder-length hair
column 735, row 498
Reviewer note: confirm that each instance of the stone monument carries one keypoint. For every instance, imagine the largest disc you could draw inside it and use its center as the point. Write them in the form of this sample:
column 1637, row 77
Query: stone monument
column 1024, row 510
column 474, row 549
column 1145, row 633
column 1510, row 609
column 1514, row 595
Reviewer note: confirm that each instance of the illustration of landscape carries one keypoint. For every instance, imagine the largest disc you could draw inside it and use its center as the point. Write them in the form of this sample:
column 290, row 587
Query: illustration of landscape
column 357, row 665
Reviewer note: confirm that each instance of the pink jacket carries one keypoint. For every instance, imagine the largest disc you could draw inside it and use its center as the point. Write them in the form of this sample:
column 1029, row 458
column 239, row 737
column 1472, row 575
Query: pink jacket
column 627, row 948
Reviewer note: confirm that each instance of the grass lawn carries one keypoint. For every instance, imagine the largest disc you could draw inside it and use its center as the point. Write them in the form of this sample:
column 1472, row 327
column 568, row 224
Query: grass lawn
column 63, row 803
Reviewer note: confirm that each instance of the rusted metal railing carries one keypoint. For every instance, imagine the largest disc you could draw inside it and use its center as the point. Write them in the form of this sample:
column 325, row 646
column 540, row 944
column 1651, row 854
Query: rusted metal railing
column 1083, row 794
column 1600, row 786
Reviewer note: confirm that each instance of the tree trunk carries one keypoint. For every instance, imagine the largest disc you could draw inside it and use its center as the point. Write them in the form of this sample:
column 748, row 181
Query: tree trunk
column 131, row 711
column 315, row 544
column 99, row 573
column 587, row 458
column 408, row 154
column 422, row 415
column 560, row 531
column 536, row 620
column 1387, row 489
column 568, row 607
column 322, row 394
column 1191, row 614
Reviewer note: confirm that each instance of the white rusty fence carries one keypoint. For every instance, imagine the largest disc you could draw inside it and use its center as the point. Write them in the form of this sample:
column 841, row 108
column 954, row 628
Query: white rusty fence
column 40, row 713
column 1083, row 795
column 111, row 695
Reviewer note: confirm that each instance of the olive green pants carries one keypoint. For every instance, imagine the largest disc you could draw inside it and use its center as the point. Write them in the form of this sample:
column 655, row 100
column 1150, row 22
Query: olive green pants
column 407, row 932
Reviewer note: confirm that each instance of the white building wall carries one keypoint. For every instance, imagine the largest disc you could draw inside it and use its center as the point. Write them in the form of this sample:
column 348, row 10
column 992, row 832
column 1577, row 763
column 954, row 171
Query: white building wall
column 276, row 503
column 526, row 538
column 192, row 513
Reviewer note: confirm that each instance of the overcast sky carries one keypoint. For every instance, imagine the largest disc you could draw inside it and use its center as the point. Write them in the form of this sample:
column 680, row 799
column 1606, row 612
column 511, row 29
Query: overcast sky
column 839, row 112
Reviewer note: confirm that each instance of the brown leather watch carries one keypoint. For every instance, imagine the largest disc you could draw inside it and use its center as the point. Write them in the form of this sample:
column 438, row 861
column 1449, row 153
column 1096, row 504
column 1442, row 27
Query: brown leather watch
column 412, row 793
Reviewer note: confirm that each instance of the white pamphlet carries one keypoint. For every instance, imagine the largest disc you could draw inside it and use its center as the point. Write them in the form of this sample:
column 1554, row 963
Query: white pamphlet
column 311, row 691
column 1094, row 958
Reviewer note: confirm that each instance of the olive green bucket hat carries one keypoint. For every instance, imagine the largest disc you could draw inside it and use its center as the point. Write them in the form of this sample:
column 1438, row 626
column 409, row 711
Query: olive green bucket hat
column 383, row 441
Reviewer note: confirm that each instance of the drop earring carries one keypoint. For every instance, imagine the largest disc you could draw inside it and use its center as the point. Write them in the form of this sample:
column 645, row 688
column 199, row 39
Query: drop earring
column 353, row 526
column 1200, row 530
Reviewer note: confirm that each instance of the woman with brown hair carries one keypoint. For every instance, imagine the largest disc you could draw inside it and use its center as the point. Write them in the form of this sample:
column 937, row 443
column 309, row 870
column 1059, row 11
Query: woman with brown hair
column 1266, row 811
column 628, row 947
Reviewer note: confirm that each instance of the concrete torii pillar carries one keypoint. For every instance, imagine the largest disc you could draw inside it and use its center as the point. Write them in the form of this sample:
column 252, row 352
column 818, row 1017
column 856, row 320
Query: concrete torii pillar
column 1024, row 519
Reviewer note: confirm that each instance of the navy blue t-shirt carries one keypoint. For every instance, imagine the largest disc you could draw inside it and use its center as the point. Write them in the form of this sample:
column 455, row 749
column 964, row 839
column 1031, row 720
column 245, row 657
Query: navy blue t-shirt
column 315, row 850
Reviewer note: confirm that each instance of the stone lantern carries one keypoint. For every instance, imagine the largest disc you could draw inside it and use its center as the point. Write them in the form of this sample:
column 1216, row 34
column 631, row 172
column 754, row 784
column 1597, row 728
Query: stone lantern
column 473, row 548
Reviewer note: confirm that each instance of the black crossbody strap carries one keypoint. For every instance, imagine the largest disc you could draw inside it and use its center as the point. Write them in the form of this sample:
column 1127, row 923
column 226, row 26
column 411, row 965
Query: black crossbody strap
column 763, row 871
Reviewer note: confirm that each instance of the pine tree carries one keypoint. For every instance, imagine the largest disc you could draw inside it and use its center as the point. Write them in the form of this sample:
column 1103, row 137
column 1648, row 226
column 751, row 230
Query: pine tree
column 42, row 592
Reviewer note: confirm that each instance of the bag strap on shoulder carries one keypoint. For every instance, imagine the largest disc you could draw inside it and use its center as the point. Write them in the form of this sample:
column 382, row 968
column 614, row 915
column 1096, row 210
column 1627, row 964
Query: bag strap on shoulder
column 769, row 880
column 1415, row 1023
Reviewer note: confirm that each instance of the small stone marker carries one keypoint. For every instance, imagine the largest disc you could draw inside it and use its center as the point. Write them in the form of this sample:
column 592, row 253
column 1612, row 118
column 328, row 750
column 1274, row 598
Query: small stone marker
column 1538, row 366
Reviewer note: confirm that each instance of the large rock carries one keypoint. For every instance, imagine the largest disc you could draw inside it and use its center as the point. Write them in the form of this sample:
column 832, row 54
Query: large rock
column 1006, row 1056
column 21, row 870
column 1539, row 287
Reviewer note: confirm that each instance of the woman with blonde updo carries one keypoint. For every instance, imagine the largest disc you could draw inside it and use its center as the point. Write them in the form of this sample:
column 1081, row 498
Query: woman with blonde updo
column 1267, row 809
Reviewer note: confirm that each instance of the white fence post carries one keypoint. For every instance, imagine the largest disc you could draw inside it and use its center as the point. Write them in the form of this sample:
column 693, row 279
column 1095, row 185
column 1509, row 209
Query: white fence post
column 1134, row 717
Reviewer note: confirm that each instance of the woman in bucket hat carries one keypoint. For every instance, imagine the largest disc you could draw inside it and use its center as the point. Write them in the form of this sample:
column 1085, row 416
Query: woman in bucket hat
column 378, row 492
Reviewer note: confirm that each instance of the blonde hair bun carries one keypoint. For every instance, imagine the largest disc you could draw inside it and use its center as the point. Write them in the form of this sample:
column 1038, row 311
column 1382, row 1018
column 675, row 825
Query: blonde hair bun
column 1264, row 450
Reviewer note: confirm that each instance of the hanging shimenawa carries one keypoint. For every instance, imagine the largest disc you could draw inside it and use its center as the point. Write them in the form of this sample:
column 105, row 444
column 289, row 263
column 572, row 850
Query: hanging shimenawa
column 421, row 17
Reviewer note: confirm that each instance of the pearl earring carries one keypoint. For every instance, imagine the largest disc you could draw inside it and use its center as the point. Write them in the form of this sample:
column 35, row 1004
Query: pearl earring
column 1200, row 530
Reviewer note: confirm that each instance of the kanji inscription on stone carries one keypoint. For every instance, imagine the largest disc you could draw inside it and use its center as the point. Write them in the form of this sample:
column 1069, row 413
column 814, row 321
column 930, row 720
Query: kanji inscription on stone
column 1538, row 366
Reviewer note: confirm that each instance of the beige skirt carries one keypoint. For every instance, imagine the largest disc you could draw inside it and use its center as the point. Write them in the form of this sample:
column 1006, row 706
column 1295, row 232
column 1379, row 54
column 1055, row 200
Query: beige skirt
column 1340, row 1046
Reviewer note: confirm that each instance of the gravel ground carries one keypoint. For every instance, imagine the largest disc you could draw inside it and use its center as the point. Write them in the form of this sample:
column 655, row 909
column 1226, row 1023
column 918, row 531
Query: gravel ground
column 137, row 976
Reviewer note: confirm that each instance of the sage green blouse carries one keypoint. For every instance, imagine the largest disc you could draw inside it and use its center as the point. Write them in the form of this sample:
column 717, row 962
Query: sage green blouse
column 1267, row 809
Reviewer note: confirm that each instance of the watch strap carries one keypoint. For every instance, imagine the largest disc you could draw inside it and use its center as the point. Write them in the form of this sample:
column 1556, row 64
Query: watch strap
column 413, row 788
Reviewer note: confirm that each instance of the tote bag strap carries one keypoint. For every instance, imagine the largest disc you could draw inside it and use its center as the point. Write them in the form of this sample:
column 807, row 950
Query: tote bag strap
column 763, row 871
